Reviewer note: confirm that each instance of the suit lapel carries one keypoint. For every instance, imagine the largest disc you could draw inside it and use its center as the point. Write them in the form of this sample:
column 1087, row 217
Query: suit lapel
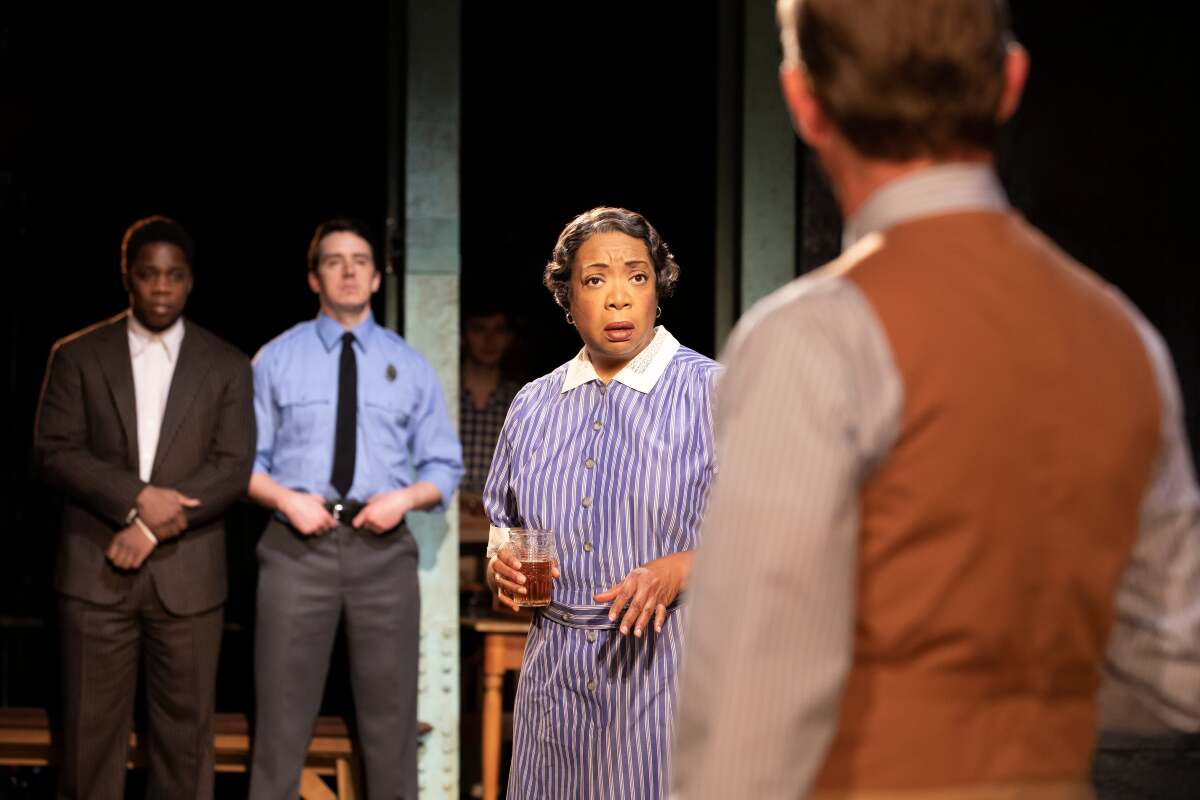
column 118, row 370
column 189, row 374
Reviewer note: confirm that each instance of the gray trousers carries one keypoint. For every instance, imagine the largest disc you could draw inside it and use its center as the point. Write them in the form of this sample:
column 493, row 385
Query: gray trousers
column 305, row 585
column 101, row 647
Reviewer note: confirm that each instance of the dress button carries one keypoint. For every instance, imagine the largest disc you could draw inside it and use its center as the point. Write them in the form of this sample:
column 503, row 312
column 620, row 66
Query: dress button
column 587, row 547
column 586, row 502
column 590, row 463
column 591, row 636
column 597, row 425
column 591, row 685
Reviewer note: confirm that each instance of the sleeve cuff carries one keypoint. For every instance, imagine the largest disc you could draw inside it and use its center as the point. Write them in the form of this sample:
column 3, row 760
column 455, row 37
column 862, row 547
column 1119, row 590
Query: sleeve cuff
column 445, row 483
column 145, row 529
column 497, row 538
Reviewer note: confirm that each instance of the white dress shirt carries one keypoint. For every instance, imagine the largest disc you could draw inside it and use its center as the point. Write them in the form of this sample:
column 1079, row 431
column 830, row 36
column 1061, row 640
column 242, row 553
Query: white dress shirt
column 153, row 356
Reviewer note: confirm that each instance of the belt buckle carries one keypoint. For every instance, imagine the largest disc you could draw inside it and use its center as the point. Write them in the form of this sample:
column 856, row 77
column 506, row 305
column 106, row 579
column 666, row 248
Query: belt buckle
column 336, row 511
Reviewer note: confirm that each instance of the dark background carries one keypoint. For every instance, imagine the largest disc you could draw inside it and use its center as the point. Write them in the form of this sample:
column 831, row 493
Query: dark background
column 250, row 126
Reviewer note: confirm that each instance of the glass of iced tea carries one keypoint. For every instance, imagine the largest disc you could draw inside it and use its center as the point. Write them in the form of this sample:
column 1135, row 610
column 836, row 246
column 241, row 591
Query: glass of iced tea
column 535, row 550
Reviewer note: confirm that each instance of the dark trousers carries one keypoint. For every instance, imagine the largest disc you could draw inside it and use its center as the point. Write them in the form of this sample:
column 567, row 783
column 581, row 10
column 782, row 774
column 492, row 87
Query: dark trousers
column 305, row 585
column 1130, row 767
column 101, row 647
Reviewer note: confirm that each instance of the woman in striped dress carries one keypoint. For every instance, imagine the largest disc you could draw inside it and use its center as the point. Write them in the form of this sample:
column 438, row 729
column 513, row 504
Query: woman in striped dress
column 613, row 451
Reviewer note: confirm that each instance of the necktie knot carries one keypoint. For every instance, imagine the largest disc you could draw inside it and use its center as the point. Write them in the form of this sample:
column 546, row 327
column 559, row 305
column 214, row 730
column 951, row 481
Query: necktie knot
column 347, row 339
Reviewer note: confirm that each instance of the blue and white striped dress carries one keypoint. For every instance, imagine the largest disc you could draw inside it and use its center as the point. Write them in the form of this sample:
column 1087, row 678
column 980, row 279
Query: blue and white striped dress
column 621, row 474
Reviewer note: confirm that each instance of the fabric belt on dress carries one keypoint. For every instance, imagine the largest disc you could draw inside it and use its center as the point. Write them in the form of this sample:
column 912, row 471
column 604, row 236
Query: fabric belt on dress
column 594, row 618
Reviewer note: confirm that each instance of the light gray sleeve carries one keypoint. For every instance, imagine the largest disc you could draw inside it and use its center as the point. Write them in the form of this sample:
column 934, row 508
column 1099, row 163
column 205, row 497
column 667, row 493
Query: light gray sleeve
column 810, row 401
column 1152, row 669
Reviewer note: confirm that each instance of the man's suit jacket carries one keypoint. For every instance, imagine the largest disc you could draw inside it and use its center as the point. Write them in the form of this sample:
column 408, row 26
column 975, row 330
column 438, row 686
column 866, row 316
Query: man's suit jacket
column 86, row 445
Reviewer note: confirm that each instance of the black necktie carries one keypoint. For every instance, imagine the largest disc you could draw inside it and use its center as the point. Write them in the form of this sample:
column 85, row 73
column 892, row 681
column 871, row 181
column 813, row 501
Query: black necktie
column 347, row 418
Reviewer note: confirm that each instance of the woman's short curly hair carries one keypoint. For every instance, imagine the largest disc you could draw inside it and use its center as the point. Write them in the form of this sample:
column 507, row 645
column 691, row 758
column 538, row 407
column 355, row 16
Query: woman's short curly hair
column 557, row 276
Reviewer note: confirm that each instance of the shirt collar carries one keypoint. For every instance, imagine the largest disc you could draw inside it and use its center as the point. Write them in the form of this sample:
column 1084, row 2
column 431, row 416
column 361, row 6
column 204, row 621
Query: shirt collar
column 331, row 331
column 936, row 190
column 141, row 337
column 641, row 373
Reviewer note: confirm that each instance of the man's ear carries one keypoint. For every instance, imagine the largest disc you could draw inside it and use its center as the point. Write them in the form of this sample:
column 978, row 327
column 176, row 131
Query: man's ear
column 808, row 118
column 1016, row 72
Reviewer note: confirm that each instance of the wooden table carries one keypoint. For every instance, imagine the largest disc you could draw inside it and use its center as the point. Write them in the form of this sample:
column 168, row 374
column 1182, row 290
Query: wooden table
column 503, row 649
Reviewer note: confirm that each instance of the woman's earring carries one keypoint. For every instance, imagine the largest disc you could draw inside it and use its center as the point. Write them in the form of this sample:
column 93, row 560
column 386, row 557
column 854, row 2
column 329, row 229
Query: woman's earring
column 570, row 319
column 658, row 313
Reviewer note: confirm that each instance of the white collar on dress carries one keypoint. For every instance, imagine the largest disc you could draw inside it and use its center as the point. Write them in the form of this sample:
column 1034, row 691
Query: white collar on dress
column 641, row 373
column 141, row 337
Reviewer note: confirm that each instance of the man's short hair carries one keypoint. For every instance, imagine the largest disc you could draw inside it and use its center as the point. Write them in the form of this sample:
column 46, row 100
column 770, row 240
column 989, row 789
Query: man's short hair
column 340, row 225
column 903, row 78
column 487, row 301
column 151, row 230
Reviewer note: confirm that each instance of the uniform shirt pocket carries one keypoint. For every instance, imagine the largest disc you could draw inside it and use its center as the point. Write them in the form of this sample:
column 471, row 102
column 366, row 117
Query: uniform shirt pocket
column 387, row 421
column 299, row 418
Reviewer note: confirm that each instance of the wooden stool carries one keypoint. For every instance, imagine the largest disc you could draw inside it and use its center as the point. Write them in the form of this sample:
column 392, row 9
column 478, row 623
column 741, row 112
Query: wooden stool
column 25, row 740
column 503, row 650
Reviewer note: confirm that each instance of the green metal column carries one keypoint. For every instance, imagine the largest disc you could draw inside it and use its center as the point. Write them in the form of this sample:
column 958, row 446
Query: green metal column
column 431, row 281
column 768, row 163
column 727, row 238
column 756, row 226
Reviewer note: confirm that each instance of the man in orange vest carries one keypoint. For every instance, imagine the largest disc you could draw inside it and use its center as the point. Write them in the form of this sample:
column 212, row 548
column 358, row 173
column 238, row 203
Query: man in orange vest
column 953, row 463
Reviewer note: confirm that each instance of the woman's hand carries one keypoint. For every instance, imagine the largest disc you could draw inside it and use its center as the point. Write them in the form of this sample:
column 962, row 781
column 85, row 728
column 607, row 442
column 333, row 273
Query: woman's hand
column 504, row 575
column 647, row 590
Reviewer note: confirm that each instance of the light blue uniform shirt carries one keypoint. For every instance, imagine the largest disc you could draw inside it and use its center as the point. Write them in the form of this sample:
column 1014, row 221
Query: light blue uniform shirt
column 404, row 433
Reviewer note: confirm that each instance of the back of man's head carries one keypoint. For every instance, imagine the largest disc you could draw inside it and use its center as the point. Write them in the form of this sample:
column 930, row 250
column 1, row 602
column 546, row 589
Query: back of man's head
column 903, row 79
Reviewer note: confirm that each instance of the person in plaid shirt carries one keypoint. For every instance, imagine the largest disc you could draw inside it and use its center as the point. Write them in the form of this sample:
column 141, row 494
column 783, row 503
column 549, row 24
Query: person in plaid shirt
column 485, row 394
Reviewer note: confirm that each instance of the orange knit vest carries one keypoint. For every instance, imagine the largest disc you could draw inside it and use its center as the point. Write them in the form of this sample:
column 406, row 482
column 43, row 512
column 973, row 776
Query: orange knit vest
column 995, row 530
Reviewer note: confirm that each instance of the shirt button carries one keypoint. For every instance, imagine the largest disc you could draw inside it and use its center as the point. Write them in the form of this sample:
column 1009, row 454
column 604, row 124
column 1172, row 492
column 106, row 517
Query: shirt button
column 591, row 636
column 591, row 685
column 587, row 547
column 597, row 425
column 590, row 463
column 586, row 502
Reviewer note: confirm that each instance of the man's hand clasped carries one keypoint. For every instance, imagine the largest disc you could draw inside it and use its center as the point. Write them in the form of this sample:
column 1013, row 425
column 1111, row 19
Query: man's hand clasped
column 161, row 514
column 163, row 510
column 308, row 515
